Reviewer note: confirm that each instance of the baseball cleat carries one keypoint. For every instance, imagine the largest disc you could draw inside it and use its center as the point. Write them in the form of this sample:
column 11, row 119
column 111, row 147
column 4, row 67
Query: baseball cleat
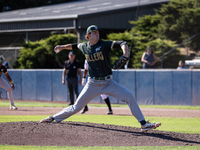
column 47, row 120
column 110, row 112
column 84, row 110
column 149, row 126
column 13, row 107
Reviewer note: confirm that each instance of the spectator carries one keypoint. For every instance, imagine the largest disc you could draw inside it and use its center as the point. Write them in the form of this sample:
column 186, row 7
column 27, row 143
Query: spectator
column 149, row 59
column 181, row 65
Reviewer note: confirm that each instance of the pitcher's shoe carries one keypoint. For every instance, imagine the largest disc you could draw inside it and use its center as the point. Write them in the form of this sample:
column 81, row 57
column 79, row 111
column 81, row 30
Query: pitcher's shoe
column 13, row 107
column 84, row 110
column 110, row 112
column 149, row 126
column 47, row 120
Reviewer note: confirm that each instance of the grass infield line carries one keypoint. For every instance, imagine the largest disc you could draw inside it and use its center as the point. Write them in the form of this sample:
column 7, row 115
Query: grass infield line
column 12, row 147
column 21, row 103
column 181, row 125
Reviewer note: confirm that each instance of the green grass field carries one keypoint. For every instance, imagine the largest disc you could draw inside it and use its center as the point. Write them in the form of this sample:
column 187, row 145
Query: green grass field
column 182, row 125
column 4, row 103
column 11, row 147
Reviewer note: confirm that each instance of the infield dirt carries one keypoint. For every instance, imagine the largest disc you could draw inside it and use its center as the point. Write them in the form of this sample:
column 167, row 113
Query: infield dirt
column 90, row 134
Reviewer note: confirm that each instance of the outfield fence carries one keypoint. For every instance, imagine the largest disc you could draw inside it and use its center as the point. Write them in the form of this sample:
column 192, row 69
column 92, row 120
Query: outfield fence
column 150, row 87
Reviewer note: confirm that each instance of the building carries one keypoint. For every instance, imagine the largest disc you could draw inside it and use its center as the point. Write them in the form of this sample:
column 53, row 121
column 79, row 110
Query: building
column 71, row 17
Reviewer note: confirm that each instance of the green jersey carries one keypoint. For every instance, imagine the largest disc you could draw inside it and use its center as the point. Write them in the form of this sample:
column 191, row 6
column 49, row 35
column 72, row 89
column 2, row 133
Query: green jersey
column 98, row 57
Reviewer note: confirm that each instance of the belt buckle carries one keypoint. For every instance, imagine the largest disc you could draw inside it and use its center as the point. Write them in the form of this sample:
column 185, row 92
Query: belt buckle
column 108, row 77
column 101, row 78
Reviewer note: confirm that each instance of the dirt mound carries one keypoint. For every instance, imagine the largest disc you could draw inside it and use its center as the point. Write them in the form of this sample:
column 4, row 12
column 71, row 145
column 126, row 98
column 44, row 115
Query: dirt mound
column 88, row 134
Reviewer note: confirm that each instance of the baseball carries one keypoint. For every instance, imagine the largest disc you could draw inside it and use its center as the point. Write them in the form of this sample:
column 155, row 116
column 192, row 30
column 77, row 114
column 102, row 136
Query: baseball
column 58, row 50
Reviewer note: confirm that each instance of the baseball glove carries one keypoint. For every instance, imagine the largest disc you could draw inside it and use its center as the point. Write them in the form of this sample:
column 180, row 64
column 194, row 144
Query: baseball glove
column 122, row 60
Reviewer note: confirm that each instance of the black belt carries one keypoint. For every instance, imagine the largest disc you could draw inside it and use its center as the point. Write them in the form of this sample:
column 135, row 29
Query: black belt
column 102, row 78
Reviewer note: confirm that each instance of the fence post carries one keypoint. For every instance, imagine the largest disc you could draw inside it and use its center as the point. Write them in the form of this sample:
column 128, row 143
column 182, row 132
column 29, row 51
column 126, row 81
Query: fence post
column 187, row 50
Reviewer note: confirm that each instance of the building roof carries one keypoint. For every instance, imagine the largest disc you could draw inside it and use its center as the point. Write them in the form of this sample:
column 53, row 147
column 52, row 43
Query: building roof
column 65, row 12
column 71, row 9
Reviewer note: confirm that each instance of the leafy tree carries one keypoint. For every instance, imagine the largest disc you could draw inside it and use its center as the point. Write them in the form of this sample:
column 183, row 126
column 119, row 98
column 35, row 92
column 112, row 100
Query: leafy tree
column 40, row 54
column 125, row 36
column 179, row 21
column 146, row 26
column 176, row 21
column 143, row 34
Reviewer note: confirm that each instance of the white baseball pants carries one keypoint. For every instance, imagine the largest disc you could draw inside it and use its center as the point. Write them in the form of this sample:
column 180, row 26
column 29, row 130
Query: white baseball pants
column 94, row 88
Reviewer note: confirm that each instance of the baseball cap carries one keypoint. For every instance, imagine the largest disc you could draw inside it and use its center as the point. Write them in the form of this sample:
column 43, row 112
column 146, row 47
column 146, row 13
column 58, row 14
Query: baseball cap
column 71, row 53
column 92, row 28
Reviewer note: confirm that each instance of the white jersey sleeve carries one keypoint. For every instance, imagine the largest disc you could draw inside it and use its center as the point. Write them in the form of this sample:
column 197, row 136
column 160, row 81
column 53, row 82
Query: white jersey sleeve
column 86, row 65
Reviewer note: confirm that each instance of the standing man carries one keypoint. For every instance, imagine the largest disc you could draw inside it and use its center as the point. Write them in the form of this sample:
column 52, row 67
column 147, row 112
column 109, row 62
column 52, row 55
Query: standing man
column 6, row 86
column 97, row 53
column 72, row 68
column 103, row 96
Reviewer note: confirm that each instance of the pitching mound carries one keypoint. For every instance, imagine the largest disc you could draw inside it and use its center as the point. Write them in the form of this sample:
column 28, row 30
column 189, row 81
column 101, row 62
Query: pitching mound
column 88, row 134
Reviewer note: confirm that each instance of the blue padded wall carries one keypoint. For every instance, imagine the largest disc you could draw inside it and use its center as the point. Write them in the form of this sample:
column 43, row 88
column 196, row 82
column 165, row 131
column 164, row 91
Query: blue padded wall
column 29, row 84
column 59, row 91
column 163, row 87
column 195, row 87
column 43, row 85
column 145, row 87
column 159, row 87
column 182, row 94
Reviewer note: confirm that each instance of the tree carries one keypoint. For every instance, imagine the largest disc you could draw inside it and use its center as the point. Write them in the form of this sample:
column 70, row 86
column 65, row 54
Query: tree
column 143, row 34
column 125, row 36
column 40, row 54
column 179, row 21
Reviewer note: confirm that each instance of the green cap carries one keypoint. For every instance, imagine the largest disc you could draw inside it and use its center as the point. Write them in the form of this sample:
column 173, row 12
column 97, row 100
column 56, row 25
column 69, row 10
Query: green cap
column 92, row 28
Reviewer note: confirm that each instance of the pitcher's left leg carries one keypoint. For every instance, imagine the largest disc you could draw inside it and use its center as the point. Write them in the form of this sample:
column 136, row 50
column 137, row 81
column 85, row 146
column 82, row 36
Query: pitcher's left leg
column 121, row 93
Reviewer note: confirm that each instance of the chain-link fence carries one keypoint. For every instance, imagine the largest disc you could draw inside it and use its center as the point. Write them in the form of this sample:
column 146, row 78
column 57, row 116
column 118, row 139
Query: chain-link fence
column 9, row 54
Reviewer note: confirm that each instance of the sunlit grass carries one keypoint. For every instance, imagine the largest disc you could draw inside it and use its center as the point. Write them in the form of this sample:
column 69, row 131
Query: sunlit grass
column 12, row 147
column 4, row 103
column 182, row 125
